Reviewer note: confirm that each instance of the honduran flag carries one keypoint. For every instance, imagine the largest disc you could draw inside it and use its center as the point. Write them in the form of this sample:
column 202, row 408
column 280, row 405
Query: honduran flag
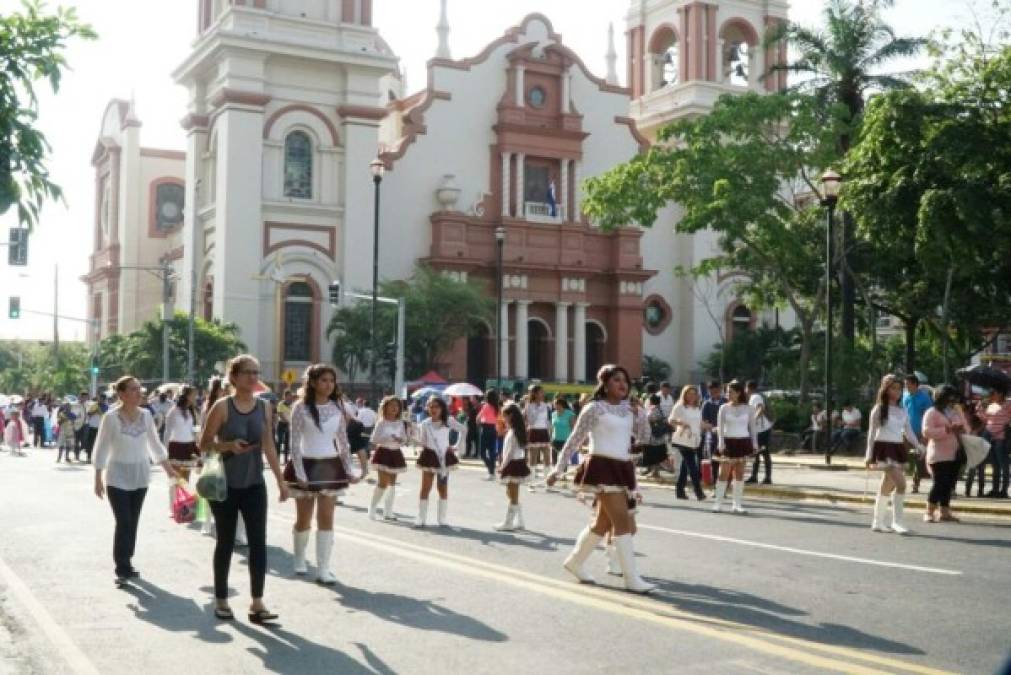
column 553, row 199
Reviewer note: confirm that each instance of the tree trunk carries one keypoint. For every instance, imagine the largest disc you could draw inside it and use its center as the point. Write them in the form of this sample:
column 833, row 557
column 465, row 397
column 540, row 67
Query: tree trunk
column 911, row 325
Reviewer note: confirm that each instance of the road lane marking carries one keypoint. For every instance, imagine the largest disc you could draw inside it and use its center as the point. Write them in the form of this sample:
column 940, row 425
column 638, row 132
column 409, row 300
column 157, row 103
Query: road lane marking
column 635, row 607
column 71, row 653
column 801, row 551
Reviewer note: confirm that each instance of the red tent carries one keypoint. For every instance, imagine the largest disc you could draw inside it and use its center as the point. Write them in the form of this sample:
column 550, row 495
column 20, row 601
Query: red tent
column 431, row 377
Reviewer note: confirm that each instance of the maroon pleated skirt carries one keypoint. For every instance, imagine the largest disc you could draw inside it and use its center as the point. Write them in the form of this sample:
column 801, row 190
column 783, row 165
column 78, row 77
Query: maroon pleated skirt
column 428, row 460
column 389, row 460
column 538, row 437
column 894, row 452
column 516, row 471
column 738, row 448
column 327, row 474
column 603, row 474
column 183, row 453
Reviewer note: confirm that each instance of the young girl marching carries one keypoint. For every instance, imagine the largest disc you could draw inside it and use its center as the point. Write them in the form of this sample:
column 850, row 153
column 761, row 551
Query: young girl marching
column 535, row 415
column 180, row 437
column 609, row 420
column 320, row 466
column 889, row 430
column 513, row 469
column 737, row 440
column 438, row 457
column 388, row 437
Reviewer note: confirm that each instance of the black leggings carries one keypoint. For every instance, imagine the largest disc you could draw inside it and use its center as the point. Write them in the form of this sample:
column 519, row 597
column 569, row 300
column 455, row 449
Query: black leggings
column 126, row 506
column 252, row 503
column 689, row 469
column 39, row 429
column 945, row 477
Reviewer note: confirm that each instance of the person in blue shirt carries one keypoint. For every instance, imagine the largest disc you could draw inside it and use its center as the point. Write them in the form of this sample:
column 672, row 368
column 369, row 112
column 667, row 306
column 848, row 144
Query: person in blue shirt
column 917, row 401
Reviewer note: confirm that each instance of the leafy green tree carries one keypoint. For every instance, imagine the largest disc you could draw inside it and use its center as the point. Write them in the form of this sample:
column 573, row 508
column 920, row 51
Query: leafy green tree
column 840, row 64
column 655, row 369
column 350, row 331
column 31, row 366
column 31, row 49
column 738, row 171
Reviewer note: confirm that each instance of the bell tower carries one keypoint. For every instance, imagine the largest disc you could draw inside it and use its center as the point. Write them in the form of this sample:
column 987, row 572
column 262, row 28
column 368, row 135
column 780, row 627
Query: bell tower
column 685, row 54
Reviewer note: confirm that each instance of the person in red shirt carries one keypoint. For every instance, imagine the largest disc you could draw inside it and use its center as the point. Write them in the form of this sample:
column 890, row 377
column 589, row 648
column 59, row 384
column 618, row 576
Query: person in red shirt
column 997, row 416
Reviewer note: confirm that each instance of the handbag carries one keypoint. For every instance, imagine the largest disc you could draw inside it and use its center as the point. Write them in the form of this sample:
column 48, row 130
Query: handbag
column 184, row 505
column 686, row 438
column 212, row 484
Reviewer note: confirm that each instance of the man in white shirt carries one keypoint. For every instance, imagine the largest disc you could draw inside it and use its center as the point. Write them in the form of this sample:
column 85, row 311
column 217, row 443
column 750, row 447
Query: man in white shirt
column 367, row 416
column 763, row 428
column 666, row 399
column 39, row 413
column 852, row 420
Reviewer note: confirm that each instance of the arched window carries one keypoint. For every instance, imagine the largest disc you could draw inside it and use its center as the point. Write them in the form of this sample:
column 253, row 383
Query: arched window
column 666, row 58
column 298, row 303
column 298, row 165
column 740, row 42
column 741, row 319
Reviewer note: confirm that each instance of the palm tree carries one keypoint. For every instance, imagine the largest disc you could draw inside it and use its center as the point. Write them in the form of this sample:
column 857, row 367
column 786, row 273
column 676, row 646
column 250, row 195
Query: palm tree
column 840, row 66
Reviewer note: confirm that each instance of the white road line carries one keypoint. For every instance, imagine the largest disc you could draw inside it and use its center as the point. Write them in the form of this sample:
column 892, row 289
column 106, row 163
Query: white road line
column 800, row 551
column 66, row 647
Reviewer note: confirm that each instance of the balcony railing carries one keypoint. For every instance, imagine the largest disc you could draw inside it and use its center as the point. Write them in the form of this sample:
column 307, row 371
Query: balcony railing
column 538, row 212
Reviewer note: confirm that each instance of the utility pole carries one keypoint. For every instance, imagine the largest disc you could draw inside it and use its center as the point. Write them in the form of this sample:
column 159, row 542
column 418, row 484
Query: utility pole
column 166, row 297
column 56, row 311
column 190, row 340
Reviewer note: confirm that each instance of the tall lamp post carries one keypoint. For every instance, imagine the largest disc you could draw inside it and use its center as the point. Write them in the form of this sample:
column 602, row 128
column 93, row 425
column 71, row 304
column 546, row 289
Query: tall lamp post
column 500, row 234
column 377, row 168
column 831, row 183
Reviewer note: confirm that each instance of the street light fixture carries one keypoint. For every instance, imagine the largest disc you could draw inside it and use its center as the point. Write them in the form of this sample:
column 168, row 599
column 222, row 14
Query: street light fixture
column 831, row 183
column 377, row 168
column 500, row 235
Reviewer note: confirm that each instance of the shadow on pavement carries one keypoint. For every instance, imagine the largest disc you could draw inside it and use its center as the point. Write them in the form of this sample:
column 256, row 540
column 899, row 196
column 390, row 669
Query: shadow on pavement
column 542, row 542
column 751, row 610
column 415, row 613
column 174, row 613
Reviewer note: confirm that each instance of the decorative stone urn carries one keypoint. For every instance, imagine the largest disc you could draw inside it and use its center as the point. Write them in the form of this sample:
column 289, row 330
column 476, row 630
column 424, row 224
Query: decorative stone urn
column 448, row 193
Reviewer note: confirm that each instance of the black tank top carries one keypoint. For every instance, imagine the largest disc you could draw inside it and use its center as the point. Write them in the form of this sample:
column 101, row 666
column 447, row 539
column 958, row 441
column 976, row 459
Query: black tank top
column 246, row 469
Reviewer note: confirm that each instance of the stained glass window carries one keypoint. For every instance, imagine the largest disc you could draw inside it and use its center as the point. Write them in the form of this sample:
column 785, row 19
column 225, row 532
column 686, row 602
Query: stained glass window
column 298, row 165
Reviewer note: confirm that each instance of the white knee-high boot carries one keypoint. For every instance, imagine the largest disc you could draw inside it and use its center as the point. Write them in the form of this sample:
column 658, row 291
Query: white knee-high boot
column 388, row 513
column 377, row 494
column 878, row 521
column 507, row 525
column 721, row 492
column 443, row 508
column 898, row 508
column 739, row 496
column 576, row 562
column 520, row 525
column 324, row 549
column 422, row 513
column 626, row 557
column 613, row 564
column 301, row 540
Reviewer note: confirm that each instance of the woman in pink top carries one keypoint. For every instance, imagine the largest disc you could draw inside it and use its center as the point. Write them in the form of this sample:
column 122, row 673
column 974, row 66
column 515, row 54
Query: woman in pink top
column 487, row 417
column 997, row 416
column 942, row 426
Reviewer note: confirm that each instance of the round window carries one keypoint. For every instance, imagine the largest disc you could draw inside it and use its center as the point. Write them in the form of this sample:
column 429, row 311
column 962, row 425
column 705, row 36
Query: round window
column 655, row 314
column 537, row 97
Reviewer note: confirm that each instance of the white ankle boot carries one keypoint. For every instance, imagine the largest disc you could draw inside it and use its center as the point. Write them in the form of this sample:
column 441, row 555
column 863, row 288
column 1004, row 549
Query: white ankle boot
column 388, row 513
column 324, row 548
column 898, row 508
column 613, row 564
column 739, row 497
column 443, row 508
column 301, row 543
column 576, row 562
column 721, row 492
column 520, row 525
column 377, row 494
column 508, row 525
column 626, row 557
column 422, row 513
column 880, row 507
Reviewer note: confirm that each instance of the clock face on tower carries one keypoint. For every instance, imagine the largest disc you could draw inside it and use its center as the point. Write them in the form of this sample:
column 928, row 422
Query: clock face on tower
column 169, row 206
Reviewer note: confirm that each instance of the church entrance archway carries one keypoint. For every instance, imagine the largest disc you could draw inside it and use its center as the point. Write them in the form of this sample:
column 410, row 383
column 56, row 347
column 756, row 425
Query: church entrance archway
column 538, row 350
column 596, row 349
column 479, row 366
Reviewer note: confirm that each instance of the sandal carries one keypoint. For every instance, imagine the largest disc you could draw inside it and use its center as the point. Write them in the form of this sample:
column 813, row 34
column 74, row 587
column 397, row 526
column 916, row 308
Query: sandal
column 261, row 617
column 224, row 613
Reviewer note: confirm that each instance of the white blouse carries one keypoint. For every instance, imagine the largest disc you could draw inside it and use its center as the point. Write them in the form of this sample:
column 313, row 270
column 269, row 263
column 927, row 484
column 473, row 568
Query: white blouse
column 179, row 427
column 537, row 415
column 610, row 429
column 511, row 449
column 736, row 421
column 435, row 435
column 894, row 430
column 125, row 449
column 326, row 441
column 391, row 435
column 690, row 415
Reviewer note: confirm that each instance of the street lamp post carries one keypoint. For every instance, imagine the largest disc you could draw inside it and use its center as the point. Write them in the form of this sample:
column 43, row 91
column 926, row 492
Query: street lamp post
column 500, row 234
column 831, row 184
column 377, row 168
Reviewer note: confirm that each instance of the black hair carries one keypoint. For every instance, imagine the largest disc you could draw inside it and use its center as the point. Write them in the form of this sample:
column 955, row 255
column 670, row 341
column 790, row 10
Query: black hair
column 181, row 402
column 443, row 408
column 944, row 396
column 492, row 399
column 563, row 401
column 514, row 420
column 736, row 393
column 654, row 399
column 651, row 388
column 312, row 375
column 912, row 378
column 604, row 376
column 714, row 384
column 665, row 384
column 751, row 384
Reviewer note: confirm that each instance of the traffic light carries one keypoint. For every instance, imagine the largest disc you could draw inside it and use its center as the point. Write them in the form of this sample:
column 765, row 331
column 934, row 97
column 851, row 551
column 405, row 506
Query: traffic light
column 17, row 251
column 335, row 292
column 14, row 308
column 94, row 366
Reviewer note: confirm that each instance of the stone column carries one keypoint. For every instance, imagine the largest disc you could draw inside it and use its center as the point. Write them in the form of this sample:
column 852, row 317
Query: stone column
column 563, row 195
column 720, row 50
column 579, row 341
column 566, row 86
column 520, row 93
column 520, row 174
column 522, row 369
column 562, row 341
column 577, row 207
column 506, row 179
column 504, row 340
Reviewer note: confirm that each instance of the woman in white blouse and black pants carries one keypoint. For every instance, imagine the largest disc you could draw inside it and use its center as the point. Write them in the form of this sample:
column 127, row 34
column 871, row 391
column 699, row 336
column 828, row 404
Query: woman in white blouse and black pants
column 126, row 445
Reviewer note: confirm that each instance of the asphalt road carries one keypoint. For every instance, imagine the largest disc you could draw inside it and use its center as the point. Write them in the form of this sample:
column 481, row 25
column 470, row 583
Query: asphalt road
column 798, row 588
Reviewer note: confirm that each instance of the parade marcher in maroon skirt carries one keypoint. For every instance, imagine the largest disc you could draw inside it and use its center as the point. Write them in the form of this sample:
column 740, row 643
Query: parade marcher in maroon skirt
column 610, row 420
column 181, row 438
column 513, row 468
column 887, row 435
column 388, row 438
column 319, row 470
column 737, row 441
column 535, row 418
column 437, row 457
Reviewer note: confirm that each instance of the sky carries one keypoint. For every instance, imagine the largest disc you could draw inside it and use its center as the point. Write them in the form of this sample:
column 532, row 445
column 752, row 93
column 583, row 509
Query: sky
column 142, row 41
